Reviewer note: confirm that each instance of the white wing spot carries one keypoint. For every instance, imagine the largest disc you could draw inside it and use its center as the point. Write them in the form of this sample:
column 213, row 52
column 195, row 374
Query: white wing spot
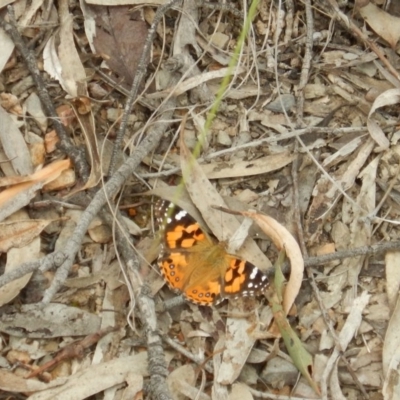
column 181, row 214
column 253, row 273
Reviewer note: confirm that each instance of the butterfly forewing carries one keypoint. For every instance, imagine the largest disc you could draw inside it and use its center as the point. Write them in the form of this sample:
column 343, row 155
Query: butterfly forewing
column 182, row 238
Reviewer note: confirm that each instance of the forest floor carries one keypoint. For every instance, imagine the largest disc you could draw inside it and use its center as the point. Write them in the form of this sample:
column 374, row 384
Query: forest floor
column 292, row 113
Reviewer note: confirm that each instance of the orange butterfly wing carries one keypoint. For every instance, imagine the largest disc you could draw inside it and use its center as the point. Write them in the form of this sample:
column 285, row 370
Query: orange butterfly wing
column 182, row 239
column 242, row 278
column 197, row 267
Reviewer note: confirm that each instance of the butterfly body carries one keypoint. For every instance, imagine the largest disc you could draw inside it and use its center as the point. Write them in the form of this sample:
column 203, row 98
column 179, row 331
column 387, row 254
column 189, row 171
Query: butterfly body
column 193, row 264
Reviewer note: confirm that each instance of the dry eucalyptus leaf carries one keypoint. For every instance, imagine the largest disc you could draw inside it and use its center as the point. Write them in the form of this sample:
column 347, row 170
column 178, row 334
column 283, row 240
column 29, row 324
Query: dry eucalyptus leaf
column 7, row 47
column 348, row 331
column 73, row 73
column 14, row 144
column 11, row 382
column 237, row 168
column 19, row 195
column 389, row 97
column 196, row 81
column 238, row 339
column 385, row 25
column 240, row 391
column 94, row 379
column 283, row 239
column 34, row 108
column 392, row 339
column 63, row 63
column 392, row 262
column 16, row 257
column 391, row 384
column 182, row 381
column 204, row 196
column 120, row 40
column 49, row 321
column 65, row 180
column 125, row 2
column 99, row 231
column 82, row 106
column 326, row 193
column 20, row 233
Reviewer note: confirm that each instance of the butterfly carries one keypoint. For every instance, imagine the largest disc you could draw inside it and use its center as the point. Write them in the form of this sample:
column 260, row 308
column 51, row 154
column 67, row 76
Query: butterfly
column 193, row 264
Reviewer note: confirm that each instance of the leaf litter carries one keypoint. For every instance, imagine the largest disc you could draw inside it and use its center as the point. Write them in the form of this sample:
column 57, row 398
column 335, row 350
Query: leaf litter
column 341, row 105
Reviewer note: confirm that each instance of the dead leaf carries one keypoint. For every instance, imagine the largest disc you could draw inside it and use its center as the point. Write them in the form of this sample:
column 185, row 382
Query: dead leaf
column 11, row 382
column 349, row 329
column 82, row 107
column 10, row 103
column 16, row 257
column 392, row 262
column 119, row 40
column 182, row 381
column 240, row 391
column 63, row 63
column 19, row 195
column 326, row 193
column 204, row 196
column 389, row 97
column 195, row 81
column 65, row 180
column 93, row 379
column 20, row 233
column 391, row 384
column 34, row 108
column 237, row 168
column 283, row 239
column 238, row 340
column 73, row 73
column 14, row 145
column 99, row 232
column 37, row 321
column 124, row 2
column 391, row 344
column 385, row 25
column 7, row 47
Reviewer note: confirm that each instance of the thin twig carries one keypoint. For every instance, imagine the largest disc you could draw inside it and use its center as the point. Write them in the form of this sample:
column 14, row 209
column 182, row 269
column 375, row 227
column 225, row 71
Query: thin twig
column 65, row 144
column 375, row 249
column 271, row 396
column 285, row 136
column 350, row 25
column 157, row 387
column 305, row 69
column 188, row 354
column 140, row 73
column 310, row 275
column 355, row 377
column 220, row 6
column 22, row 270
